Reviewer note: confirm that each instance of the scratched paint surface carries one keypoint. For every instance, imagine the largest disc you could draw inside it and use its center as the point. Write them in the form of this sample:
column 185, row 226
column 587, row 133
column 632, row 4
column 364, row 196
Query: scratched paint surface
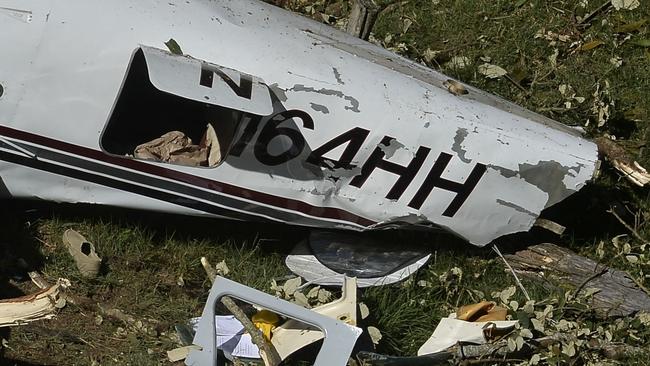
column 375, row 136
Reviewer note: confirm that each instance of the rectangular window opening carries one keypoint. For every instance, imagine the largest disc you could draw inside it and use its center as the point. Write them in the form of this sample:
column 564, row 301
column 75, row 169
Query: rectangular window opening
column 151, row 124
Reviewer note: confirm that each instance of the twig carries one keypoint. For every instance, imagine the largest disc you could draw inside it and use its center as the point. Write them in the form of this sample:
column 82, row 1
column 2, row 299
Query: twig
column 640, row 285
column 601, row 9
column 627, row 226
column 585, row 282
column 521, row 286
column 516, row 83
column 268, row 352
column 389, row 8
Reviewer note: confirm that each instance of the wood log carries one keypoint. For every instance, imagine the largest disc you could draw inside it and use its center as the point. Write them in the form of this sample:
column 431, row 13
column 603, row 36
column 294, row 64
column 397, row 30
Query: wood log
column 362, row 18
column 559, row 267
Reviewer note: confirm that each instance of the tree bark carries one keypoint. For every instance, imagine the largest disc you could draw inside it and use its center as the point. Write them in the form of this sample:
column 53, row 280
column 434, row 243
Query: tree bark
column 558, row 267
column 362, row 18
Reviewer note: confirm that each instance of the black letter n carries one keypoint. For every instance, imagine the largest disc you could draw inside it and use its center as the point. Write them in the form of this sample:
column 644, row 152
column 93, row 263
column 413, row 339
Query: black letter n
column 244, row 89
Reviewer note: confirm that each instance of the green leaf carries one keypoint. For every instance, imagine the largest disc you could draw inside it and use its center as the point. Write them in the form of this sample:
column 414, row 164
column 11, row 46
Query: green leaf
column 631, row 27
column 174, row 47
column 641, row 42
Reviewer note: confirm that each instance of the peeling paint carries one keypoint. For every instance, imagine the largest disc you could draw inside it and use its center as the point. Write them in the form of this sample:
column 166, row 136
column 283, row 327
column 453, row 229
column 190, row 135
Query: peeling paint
column 279, row 92
column 461, row 134
column 337, row 75
column 319, row 108
column 390, row 149
column 515, row 207
column 354, row 104
column 548, row 176
column 345, row 173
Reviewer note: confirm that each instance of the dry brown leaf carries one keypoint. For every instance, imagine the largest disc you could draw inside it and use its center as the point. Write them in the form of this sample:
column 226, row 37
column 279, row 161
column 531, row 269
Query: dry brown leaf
column 591, row 45
column 631, row 27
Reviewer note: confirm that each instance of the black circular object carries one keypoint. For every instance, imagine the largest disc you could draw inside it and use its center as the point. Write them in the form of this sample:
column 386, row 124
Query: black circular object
column 2, row 90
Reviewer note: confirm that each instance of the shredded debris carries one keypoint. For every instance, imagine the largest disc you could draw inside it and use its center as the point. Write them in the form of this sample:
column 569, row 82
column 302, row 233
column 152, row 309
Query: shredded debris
column 37, row 306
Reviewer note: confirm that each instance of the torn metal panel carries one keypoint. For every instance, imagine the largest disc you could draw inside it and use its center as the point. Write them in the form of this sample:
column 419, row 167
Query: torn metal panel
column 292, row 335
column 339, row 337
column 326, row 258
column 37, row 306
column 315, row 127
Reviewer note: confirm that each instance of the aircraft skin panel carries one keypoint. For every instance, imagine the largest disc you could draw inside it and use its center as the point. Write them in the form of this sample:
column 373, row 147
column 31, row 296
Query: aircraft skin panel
column 338, row 132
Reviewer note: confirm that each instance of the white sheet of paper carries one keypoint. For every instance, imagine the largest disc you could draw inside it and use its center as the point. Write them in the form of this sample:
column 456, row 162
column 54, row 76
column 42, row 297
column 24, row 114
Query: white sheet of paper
column 231, row 337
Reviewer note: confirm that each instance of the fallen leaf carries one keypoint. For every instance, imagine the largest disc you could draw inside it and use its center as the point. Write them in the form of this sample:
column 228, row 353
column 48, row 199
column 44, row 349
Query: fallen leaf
column 641, row 42
column 407, row 24
column 363, row 310
column 520, row 343
column 553, row 58
column 616, row 61
column 491, row 71
column 174, row 47
column 591, row 45
column 222, row 268
column 375, row 335
column 631, row 27
column 324, row 296
column 534, row 360
column 313, row 293
column 430, row 55
column 537, row 324
column 301, row 299
column 458, row 62
column 292, row 285
column 625, row 4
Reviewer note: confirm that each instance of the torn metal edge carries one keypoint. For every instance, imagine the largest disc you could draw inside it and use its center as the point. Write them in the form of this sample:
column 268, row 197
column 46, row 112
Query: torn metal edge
column 339, row 341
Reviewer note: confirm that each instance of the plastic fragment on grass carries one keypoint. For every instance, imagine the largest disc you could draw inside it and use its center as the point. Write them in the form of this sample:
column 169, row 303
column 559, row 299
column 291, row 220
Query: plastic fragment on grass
column 452, row 330
column 37, row 306
column 294, row 335
column 83, row 252
column 180, row 353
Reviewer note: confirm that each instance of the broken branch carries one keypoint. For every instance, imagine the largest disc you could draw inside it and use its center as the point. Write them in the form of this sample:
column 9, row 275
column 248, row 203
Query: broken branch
column 514, row 274
column 627, row 226
column 621, row 161
column 268, row 352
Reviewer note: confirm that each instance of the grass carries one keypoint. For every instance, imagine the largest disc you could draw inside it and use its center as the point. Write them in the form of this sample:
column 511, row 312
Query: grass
column 146, row 254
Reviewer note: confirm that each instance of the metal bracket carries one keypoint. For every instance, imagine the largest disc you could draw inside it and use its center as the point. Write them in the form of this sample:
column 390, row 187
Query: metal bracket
column 339, row 341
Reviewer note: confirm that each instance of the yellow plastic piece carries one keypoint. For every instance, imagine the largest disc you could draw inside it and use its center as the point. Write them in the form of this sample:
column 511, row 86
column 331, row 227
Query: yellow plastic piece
column 266, row 321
